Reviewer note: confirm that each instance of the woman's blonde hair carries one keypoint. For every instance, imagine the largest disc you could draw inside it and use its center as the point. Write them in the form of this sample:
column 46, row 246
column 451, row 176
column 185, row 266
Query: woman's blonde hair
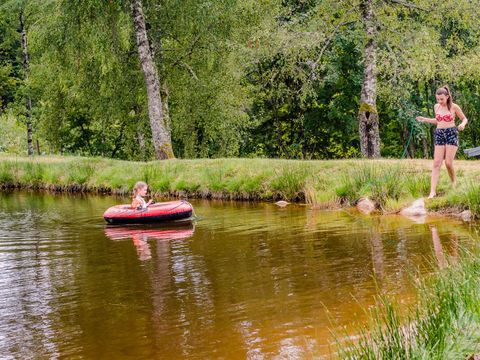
column 138, row 186
column 446, row 91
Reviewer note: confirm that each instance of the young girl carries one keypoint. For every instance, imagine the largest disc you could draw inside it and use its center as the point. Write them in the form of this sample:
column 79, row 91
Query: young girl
column 446, row 135
column 139, row 191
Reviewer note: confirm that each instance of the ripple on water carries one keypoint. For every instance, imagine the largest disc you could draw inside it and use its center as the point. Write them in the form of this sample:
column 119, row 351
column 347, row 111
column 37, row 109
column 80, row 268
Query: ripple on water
column 249, row 280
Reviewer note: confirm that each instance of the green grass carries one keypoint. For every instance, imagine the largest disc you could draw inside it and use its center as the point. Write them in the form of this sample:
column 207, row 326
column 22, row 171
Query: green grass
column 390, row 183
column 443, row 324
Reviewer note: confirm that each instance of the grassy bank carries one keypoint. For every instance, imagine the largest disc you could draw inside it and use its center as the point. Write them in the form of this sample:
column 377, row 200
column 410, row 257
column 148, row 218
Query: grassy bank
column 443, row 324
column 390, row 183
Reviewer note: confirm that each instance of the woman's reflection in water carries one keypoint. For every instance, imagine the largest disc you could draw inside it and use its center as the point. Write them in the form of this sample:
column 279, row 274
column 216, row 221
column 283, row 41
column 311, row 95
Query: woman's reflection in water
column 377, row 255
column 439, row 252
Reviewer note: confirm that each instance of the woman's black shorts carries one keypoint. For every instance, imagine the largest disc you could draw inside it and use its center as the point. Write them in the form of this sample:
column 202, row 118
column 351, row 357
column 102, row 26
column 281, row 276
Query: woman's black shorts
column 448, row 136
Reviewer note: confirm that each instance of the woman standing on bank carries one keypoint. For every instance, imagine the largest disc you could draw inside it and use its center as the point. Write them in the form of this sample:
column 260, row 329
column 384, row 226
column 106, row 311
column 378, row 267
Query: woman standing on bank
column 446, row 135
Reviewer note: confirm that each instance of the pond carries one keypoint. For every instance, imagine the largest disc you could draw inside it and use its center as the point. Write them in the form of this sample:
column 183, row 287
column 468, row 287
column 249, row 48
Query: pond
column 244, row 280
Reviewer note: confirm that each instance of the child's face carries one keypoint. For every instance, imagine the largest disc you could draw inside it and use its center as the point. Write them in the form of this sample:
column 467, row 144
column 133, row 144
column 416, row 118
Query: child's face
column 143, row 191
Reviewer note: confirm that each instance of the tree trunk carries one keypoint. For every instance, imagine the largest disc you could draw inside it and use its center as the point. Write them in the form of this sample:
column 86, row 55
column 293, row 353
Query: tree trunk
column 367, row 114
column 160, row 131
column 28, row 101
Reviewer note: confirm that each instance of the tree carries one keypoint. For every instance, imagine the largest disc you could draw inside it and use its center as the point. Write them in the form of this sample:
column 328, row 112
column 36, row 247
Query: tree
column 20, row 8
column 28, row 101
column 160, row 128
column 367, row 113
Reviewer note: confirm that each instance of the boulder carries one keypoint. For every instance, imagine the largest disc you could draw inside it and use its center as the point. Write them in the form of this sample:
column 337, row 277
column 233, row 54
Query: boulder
column 416, row 209
column 366, row 206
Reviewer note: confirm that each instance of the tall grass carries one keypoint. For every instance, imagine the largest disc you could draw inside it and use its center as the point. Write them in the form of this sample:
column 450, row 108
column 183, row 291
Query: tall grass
column 467, row 197
column 443, row 324
column 391, row 184
column 8, row 172
column 382, row 183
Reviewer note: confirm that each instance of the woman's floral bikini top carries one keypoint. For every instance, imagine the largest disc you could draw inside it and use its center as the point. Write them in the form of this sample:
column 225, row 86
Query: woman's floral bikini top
column 447, row 117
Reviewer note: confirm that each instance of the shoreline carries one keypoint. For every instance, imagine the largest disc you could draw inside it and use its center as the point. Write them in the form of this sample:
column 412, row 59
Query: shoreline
column 391, row 185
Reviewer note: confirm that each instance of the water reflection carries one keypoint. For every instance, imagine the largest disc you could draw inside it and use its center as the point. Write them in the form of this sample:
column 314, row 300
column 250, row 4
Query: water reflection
column 141, row 234
column 247, row 281
column 439, row 250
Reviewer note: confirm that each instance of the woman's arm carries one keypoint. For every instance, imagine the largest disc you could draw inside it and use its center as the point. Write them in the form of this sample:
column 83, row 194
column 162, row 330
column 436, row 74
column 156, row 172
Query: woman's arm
column 462, row 117
column 427, row 120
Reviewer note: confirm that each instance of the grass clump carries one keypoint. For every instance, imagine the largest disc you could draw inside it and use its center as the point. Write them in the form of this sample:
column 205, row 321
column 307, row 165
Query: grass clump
column 443, row 324
column 380, row 183
column 466, row 197
column 7, row 172
column 289, row 181
column 33, row 173
column 471, row 198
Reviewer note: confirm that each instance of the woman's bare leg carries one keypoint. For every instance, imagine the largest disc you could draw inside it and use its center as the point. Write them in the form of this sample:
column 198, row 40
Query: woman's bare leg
column 450, row 152
column 438, row 157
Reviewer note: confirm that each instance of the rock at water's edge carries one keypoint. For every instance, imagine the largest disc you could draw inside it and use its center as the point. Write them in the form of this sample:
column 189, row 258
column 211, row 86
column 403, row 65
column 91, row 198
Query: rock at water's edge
column 282, row 203
column 416, row 209
column 366, row 206
column 466, row 215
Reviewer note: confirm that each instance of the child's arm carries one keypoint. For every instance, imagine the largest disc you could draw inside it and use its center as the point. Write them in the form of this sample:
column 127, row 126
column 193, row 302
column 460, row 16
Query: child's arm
column 135, row 204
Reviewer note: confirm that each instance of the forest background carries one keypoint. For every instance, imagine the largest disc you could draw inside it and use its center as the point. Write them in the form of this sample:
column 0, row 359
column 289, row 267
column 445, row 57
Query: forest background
column 296, row 79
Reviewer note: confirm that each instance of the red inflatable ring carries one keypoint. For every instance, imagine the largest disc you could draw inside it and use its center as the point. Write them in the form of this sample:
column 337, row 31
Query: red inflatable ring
column 158, row 212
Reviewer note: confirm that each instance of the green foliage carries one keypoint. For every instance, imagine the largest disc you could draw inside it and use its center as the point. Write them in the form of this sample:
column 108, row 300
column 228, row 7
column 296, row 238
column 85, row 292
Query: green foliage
column 242, row 78
column 10, row 66
column 13, row 136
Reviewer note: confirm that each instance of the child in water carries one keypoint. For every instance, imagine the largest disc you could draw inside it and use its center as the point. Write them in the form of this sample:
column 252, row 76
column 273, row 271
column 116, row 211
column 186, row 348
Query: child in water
column 139, row 191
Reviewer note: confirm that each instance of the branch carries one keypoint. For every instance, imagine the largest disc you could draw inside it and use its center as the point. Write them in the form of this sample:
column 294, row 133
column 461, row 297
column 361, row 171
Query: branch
column 189, row 69
column 192, row 46
column 408, row 4
column 329, row 40
column 313, row 66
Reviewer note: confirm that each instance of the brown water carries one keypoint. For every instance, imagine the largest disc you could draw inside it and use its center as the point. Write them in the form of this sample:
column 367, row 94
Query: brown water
column 245, row 281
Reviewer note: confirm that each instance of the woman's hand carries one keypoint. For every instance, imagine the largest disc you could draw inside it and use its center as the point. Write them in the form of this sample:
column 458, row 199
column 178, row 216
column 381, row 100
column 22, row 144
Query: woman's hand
column 420, row 118
column 461, row 127
column 150, row 202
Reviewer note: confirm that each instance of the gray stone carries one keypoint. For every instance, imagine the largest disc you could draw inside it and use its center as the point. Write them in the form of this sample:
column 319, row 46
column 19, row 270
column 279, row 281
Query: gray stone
column 416, row 209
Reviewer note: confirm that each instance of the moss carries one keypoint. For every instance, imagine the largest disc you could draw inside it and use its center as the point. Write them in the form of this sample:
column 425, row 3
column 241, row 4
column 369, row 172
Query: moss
column 365, row 107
